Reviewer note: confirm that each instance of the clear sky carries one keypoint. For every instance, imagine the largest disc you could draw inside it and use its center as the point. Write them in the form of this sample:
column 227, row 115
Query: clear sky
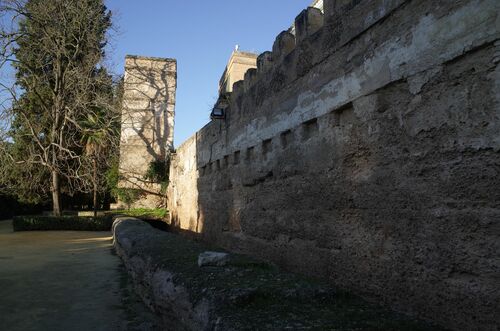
column 201, row 35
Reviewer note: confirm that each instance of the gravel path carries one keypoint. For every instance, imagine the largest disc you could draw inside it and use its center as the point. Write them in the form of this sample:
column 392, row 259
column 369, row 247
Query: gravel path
column 65, row 281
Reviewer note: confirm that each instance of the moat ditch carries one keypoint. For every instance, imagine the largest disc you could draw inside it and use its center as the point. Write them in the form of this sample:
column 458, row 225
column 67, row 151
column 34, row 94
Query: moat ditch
column 245, row 294
column 40, row 271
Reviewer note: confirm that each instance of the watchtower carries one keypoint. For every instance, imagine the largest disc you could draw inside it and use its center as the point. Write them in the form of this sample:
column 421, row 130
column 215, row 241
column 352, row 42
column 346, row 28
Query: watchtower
column 147, row 123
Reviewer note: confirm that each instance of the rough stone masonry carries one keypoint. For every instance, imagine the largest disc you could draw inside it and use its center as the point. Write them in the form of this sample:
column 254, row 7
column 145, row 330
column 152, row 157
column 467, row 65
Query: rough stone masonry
column 365, row 149
column 147, row 129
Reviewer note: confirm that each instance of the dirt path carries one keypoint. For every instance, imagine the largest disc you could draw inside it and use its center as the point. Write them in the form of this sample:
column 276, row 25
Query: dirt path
column 65, row 281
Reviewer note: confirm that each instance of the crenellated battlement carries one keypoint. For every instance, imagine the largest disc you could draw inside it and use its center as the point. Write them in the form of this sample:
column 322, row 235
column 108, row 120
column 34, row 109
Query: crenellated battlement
column 307, row 27
column 308, row 22
column 362, row 149
column 319, row 31
column 283, row 45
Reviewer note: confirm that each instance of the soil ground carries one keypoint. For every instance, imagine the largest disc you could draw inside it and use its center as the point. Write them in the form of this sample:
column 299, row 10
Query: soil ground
column 65, row 281
column 244, row 294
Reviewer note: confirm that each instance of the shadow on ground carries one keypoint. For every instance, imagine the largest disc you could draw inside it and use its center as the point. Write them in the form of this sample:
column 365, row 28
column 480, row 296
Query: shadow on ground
column 65, row 281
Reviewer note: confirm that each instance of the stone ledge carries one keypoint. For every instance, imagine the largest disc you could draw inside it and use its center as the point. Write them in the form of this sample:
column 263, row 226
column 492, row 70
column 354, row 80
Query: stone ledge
column 244, row 295
column 151, row 58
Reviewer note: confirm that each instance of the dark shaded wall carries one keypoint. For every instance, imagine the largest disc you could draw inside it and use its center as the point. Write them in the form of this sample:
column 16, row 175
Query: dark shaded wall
column 366, row 150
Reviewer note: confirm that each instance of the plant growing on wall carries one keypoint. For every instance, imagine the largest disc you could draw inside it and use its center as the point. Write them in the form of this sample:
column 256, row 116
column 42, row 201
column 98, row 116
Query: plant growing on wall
column 129, row 195
column 126, row 195
column 158, row 172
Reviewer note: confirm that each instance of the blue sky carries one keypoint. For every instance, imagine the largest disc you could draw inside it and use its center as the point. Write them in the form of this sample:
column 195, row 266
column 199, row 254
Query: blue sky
column 201, row 35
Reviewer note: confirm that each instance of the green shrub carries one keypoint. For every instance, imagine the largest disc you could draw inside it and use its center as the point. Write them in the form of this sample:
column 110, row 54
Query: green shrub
column 128, row 195
column 64, row 223
column 158, row 173
column 143, row 213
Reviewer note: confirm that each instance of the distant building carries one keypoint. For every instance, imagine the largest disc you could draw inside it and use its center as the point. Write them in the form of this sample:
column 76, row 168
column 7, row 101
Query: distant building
column 317, row 4
column 236, row 68
column 240, row 62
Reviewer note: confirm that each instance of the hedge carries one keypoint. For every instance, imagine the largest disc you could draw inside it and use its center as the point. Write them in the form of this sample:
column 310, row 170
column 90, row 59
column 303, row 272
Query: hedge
column 63, row 223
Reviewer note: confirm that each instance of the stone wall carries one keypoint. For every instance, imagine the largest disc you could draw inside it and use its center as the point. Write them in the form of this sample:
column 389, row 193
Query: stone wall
column 364, row 149
column 318, row 4
column 188, row 290
column 147, row 122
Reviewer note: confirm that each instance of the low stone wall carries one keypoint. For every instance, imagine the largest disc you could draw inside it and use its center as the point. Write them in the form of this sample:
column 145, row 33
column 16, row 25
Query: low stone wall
column 136, row 242
column 237, row 293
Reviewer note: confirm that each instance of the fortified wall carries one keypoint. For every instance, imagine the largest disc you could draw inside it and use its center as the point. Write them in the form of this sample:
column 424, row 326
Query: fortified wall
column 364, row 149
column 147, row 130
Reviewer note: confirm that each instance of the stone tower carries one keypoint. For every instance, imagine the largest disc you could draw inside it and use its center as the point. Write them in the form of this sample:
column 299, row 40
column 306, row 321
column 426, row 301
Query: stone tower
column 147, row 123
column 238, row 65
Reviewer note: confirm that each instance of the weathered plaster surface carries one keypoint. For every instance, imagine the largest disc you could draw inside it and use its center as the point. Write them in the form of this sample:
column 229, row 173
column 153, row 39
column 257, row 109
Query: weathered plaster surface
column 147, row 122
column 367, row 154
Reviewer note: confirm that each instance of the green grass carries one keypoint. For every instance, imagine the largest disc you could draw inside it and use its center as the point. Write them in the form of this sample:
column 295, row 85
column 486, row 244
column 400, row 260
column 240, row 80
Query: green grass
column 63, row 223
column 158, row 213
column 83, row 223
column 249, row 294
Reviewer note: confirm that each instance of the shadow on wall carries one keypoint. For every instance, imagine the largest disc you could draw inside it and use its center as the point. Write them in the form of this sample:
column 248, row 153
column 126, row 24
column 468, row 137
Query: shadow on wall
column 149, row 85
column 147, row 119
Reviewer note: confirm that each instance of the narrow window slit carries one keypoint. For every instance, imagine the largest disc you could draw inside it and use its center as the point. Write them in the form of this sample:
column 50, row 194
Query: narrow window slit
column 267, row 146
column 250, row 152
column 286, row 138
column 236, row 156
column 309, row 128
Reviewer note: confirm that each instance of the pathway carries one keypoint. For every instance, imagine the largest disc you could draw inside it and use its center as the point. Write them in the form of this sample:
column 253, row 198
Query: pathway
column 65, row 281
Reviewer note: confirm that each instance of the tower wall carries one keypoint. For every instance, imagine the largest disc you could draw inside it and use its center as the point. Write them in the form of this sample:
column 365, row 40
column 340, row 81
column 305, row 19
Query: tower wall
column 147, row 123
column 238, row 65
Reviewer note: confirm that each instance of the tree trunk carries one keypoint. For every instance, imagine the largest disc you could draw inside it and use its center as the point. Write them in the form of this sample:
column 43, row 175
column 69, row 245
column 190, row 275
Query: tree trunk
column 94, row 162
column 56, row 194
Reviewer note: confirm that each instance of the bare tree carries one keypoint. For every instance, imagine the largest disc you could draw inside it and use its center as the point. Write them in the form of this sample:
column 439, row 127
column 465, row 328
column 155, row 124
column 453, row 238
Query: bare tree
column 100, row 139
column 56, row 48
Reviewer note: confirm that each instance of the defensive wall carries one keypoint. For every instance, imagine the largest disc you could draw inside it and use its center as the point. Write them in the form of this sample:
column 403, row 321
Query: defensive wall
column 364, row 149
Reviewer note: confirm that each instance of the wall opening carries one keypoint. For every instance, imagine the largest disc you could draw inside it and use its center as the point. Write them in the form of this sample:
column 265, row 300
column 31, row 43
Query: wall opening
column 309, row 129
column 250, row 154
column 267, row 146
column 236, row 159
column 286, row 138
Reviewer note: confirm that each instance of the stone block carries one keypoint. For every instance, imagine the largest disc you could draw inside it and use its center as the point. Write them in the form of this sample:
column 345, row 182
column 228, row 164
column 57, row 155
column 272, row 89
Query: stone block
column 213, row 259
column 250, row 76
column 307, row 23
column 283, row 45
column 329, row 7
column 238, row 87
column 264, row 61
